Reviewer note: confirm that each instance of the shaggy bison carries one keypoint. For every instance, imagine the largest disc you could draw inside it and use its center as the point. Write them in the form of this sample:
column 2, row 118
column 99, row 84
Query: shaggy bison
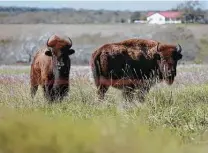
column 134, row 64
column 51, row 68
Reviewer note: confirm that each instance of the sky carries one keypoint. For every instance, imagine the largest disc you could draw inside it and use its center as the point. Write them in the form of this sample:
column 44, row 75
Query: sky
column 100, row 4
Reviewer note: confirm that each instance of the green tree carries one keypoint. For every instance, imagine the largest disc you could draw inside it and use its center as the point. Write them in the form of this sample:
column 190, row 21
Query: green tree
column 135, row 16
column 191, row 10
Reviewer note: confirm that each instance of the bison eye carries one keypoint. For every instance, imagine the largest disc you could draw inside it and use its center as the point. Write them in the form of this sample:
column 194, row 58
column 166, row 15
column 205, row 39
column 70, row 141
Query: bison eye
column 48, row 53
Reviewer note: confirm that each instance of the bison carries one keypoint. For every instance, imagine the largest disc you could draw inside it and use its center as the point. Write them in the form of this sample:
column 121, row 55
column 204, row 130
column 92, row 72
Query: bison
column 51, row 68
column 134, row 65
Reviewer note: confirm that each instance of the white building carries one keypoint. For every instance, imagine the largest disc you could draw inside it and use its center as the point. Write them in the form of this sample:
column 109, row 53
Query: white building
column 165, row 17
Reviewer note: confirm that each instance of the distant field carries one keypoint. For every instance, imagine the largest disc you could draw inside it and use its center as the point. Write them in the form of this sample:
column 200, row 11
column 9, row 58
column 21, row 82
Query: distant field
column 195, row 74
column 15, row 30
column 74, row 30
column 16, row 40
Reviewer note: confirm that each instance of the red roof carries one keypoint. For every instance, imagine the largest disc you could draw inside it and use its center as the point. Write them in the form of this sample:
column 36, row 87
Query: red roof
column 167, row 14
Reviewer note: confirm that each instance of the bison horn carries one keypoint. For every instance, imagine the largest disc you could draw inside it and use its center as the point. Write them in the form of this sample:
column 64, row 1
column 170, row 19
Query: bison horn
column 50, row 41
column 179, row 49
column 158, row 47
column 47, row 41
column 70, row 42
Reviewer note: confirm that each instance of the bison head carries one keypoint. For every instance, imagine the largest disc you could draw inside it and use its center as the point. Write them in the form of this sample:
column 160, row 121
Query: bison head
column 60, row 49
column 167, row 57
column 59, row 46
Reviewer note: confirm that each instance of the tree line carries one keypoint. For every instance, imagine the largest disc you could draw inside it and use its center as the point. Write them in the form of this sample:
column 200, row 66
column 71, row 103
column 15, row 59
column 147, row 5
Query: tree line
column 192, row 12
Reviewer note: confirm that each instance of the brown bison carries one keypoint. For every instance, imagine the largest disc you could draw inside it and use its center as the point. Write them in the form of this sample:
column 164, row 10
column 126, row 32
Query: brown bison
column 134, row 64
column 51, row 68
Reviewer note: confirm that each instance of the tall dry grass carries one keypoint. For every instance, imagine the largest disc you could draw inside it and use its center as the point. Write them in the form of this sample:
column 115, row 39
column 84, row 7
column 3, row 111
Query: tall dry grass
column 172, row 119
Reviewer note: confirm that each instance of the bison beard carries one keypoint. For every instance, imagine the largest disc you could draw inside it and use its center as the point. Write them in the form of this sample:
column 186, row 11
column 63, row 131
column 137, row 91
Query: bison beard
column 61, row 71
column 131, row 65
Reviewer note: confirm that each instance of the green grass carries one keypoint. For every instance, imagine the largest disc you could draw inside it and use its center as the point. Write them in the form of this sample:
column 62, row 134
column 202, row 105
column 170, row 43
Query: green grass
column 171, row 120
column 38, row 133
column 14, row 71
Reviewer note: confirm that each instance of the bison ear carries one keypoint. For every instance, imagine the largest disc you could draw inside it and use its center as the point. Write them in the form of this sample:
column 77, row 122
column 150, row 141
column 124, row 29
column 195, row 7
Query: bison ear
column 48, row 52
column 71, row 51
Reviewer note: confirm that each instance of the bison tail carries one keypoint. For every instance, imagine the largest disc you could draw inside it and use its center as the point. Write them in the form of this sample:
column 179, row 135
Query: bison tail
column 95, row 67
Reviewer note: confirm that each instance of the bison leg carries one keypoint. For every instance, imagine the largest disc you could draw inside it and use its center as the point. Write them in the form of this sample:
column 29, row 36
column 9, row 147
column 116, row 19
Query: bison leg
column 64, row 91
column 141, row 96
column 34, row 82
column 128, row 94
column 33, row 90
column 102, row 89
column 48, row 91
column 142, row 93
column 60, row 91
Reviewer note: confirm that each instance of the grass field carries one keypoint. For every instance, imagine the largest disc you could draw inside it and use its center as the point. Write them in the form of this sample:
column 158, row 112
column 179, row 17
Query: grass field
column 172, row 119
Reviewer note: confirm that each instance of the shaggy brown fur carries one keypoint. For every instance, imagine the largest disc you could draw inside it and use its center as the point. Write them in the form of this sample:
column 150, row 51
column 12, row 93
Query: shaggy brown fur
column 48, row 65
column 128, row 64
